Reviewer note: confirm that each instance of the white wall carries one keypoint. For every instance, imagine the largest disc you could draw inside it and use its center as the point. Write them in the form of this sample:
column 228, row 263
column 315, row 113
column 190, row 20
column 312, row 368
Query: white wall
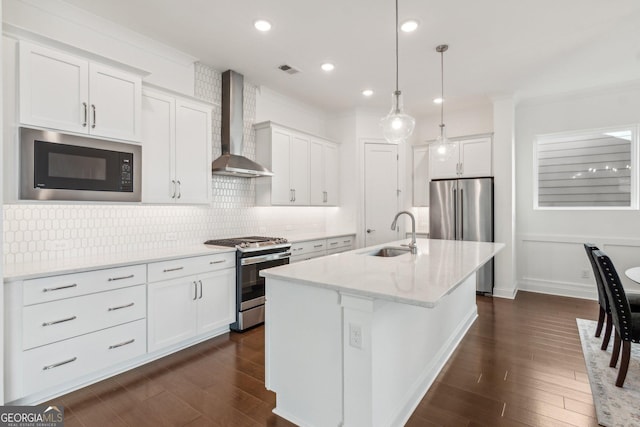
column 550, row 253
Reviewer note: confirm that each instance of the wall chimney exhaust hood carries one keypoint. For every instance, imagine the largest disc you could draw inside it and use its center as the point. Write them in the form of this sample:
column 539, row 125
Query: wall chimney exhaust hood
column 232, row 162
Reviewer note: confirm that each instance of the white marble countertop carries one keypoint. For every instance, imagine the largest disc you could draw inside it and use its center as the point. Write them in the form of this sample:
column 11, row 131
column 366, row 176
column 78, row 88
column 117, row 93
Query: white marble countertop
column 422, row 279
column 30, row 270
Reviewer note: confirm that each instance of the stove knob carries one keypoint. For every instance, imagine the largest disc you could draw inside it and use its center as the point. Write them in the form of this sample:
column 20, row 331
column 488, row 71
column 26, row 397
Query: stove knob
column 243, row 245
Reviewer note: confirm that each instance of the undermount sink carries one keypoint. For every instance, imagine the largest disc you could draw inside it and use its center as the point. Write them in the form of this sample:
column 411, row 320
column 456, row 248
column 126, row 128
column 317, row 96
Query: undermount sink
column 388, row 252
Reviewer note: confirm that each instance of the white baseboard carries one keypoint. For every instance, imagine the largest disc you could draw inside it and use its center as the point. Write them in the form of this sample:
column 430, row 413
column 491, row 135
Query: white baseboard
column 565, row 289
column 505, row 293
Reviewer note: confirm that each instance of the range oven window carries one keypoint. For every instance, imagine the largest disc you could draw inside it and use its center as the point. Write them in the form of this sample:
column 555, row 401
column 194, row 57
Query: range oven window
column 251, row 282
column 74, row 167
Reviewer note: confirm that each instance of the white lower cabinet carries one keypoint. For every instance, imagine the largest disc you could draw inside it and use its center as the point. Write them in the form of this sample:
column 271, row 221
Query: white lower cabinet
column 184, row 307
column 309, row 249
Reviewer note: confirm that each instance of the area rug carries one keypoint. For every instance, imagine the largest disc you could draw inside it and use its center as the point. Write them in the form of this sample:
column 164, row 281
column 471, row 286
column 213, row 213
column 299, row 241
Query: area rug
column 615, row 407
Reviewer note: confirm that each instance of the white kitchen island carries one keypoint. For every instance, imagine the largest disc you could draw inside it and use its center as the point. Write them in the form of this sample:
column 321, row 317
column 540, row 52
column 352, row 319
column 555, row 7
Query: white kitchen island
column 356, row 340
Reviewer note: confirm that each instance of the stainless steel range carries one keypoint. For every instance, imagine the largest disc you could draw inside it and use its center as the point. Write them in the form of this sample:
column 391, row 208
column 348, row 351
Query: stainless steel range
column 254, row 253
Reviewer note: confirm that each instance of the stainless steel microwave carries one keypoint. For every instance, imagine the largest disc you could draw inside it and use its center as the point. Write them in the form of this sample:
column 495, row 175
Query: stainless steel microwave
column 56, row 166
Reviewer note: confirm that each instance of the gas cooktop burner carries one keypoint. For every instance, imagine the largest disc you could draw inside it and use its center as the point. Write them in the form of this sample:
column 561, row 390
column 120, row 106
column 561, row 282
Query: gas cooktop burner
column 251, row 242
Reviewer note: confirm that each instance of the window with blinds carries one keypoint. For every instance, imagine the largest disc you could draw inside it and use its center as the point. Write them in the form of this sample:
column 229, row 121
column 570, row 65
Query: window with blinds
column 593, row 169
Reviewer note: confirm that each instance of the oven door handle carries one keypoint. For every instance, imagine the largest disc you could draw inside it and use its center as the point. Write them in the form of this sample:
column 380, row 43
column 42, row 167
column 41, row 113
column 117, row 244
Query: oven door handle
column 264, row 258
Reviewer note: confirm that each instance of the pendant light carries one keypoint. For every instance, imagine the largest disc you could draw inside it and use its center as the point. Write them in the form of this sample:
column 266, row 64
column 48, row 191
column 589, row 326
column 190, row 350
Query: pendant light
column 397, row 126
column 444, row 147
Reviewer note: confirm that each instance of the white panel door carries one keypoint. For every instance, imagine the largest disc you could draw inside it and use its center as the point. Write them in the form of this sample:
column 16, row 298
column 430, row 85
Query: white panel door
column 475, row 157
column 421, row 176
column 53, row 89
column 281, row 191
column 216, row 299
column 158, row 138
column 299, row 162
column 381, row 192
column 443, row 169
column 193, row 148
column 115, row 97
column 316, row 173
column 171, row 311
column 331, row 160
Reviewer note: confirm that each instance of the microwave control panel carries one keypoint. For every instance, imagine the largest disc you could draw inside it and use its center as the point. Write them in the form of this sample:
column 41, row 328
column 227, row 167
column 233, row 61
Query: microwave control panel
column 126, row 172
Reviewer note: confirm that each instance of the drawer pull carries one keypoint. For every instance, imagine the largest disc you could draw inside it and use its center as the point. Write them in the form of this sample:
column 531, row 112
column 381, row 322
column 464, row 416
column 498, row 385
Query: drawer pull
column 59, row 288
column 131, row 341
column 55, row 365
column 113, row 279
column 120, row 307
column 220, row 261
column 168, row 270
column 333, row 243
column 346, row 241
column 55, row 322
column 317, row 246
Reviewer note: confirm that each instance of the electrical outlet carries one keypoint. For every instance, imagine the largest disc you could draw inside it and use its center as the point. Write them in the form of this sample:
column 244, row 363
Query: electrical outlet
column 585, row 274
column 355, row 335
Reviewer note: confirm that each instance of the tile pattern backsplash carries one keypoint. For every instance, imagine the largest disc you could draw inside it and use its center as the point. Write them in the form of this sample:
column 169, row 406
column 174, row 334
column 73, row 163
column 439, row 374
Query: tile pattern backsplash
column 42, row 231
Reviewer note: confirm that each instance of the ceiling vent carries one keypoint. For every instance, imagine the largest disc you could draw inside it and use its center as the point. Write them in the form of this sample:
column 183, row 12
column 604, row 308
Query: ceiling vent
column 289, row 69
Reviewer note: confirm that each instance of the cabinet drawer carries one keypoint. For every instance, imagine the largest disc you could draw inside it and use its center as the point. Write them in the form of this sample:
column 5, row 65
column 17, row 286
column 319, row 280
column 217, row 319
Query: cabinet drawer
column 72, row 285
column 302, row 248
column 58, row 320
column 55, row 364
column 306, row 256
column 340, row 242
column 181, row 267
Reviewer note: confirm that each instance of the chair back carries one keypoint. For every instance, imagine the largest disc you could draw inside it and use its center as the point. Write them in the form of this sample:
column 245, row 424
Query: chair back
column 620, row 309
column 590, row 248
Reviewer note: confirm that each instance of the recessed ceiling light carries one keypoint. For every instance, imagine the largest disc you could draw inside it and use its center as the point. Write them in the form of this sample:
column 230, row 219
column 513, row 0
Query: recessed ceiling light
column 438, row 100
column 327, row 66
column 409, row 26
column 262, row 25
column 367, row 92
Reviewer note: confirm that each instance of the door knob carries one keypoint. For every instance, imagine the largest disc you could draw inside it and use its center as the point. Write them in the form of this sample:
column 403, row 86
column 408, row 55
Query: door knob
column 369, row 230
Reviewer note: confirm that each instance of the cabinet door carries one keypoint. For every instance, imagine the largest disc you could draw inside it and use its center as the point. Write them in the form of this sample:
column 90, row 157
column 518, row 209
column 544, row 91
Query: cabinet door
column 171, row 311
column 421, row 176
column 443, row 169
column 476, row 157
column 281, row 190
column 158, row 139
column 216, row 300
column 331, row 159
column 299, row 166
column 116, row 97
column 53, row 89
column 316, row 173
column 193, row 152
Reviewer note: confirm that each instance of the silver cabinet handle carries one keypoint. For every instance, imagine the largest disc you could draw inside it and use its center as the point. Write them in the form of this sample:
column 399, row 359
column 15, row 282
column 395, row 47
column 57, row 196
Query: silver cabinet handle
column 291, row 195
column 326, row 197
column 113, row 279
column 55, row 322
column 200, row 281
column 55, row 365
column 60, row 288
column 179, row 190
column 317, row 246
column 173, row 181
column 131, row 341
column 370, row 230
column 346, row 241
column 86, row 115
column 461, row 168
column 93, row 108
column 220, row 261
column 195, row 290
column 294, row 194
column 121, row 307
column 333, row 243
column 168, row 270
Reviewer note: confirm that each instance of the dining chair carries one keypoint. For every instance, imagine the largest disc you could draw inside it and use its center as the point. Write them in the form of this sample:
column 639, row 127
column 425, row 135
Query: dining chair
column 626, row 322
column 603, row 301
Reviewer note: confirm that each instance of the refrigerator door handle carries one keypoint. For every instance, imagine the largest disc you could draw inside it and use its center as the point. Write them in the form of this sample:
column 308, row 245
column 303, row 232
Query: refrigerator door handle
column 461, row 214
column 455, row 210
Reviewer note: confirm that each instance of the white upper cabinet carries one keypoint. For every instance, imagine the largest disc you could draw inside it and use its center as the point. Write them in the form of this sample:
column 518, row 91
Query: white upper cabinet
column 421, row 175
column 286, row 153
column 68, row 93
column 323, row 171
column 471, row 158
column 176, row 142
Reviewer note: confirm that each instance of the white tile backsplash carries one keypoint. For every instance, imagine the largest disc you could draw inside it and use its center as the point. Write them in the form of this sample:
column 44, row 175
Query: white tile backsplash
column 34, row 232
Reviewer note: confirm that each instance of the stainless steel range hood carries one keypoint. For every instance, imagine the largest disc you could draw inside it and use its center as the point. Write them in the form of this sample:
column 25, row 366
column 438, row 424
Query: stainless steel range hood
column 232, row 162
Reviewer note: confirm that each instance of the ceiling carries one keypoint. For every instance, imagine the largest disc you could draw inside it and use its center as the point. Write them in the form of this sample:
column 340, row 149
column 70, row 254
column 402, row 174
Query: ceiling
column 496, row 47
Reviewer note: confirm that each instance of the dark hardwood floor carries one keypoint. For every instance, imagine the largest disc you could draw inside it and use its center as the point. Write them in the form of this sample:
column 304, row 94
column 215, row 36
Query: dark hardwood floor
column 520, row 364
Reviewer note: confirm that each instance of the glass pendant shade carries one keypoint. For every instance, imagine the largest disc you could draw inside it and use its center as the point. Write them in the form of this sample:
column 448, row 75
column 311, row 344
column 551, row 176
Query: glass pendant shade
column 397, row 126
column 444, row 147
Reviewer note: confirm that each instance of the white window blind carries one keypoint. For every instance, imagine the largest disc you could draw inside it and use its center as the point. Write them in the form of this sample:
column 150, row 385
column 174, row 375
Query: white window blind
column 593, row 169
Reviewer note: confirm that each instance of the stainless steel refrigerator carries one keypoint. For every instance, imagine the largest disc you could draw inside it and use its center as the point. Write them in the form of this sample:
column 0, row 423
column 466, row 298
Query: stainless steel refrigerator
column 462, row 209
